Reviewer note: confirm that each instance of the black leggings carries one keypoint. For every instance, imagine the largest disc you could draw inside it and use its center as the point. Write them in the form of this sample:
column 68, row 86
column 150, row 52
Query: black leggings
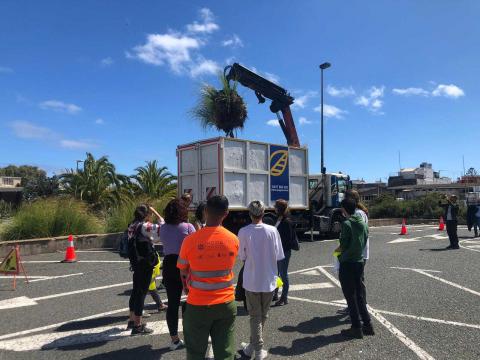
column 173, row 284
column 141, row 280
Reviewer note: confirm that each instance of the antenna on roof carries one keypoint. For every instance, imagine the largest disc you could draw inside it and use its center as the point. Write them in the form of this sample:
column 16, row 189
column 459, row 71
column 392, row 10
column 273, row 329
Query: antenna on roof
column 399, row 161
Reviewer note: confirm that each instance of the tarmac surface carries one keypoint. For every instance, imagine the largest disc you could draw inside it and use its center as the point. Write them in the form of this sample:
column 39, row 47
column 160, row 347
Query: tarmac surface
column 424, row 302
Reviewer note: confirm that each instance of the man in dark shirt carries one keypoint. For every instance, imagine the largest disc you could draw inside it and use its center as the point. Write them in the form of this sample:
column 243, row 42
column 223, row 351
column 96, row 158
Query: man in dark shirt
column 353, row 238
column 451, row 213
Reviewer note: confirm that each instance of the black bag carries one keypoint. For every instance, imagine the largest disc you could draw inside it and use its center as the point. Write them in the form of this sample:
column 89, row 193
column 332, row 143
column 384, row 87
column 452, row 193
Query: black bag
column 123, row 245
column 239, row 290
column 295, row 245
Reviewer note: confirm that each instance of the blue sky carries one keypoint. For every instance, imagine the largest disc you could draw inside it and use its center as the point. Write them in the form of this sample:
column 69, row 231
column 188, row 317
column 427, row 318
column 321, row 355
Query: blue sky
column 119, row 78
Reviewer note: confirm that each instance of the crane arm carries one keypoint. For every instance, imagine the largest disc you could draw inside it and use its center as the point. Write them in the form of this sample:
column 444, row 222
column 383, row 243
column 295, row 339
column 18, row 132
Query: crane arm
column 263, row 88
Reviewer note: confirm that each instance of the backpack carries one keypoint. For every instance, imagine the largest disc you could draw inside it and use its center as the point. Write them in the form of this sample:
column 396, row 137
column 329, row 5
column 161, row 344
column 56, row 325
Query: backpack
column 123, row 245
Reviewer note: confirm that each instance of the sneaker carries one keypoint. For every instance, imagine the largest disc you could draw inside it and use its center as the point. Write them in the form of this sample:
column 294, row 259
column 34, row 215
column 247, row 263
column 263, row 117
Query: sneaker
column 368, row 330
column 343, row 311
column 262, row 354
column 281, row 302
column 247, row 349
column 130, row 325
column 162, row 308
column 141, row 330
column 456, row 247
column 275, row 298
column 177, row 344
column 355, row 333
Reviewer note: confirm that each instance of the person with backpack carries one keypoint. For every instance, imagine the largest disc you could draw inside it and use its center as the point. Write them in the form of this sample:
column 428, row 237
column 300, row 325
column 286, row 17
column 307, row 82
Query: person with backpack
column 172, row 233
column 143, row 258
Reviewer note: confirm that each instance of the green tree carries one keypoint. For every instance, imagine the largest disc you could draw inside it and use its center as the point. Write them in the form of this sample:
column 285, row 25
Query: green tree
column 97, row 183
column 154, row 181
column 26, row 172
column 222, row 109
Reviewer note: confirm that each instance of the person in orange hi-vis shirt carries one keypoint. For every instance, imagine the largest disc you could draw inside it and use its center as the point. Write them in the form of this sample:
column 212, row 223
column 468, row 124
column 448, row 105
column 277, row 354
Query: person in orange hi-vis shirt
column 206, row 263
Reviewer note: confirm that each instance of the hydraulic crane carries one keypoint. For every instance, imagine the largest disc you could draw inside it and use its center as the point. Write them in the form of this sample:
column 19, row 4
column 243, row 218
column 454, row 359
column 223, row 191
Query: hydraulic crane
column 263, row 88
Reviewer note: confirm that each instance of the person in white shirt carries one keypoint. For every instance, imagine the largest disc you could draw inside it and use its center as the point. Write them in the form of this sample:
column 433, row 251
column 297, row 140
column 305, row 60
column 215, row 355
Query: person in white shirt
column 260, row 249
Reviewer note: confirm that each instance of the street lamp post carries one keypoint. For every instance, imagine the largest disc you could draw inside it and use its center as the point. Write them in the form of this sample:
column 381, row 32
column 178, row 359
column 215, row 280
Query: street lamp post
column 323, row 66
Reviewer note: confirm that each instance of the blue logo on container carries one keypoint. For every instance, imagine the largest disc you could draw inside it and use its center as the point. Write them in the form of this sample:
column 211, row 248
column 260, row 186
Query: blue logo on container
column 279, row 174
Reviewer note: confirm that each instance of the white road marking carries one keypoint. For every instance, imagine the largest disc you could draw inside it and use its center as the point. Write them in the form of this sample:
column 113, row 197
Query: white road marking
column 16, row 302
column 312, row 286
column 311, row 272
column 436, row 236
column 57, row 277
column 404, row 240
column 29, row 277
column 467, row 247
column 451, row 283
column 308, row 269
column 342, row 303
column 405, row 268
column 75, row 337
column 81, row 291
column 79, row 261
column 422, row 354
column 440, row 321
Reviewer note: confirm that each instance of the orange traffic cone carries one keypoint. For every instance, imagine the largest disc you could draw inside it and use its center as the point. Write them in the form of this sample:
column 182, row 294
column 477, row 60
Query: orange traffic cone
column 404, row 228
column 441, row 226
column 70, row 256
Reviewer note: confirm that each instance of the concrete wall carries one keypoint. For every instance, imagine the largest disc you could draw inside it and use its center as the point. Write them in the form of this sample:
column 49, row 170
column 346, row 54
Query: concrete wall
column 50, row 245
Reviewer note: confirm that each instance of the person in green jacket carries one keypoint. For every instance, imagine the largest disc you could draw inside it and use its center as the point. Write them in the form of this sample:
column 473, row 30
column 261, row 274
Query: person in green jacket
column 353, row 238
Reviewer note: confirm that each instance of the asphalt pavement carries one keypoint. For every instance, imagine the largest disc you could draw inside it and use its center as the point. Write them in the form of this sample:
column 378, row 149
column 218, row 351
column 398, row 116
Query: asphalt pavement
column 424, row 301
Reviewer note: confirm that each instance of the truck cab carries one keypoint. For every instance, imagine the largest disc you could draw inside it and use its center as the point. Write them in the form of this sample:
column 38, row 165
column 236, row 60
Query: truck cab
column 336, row 184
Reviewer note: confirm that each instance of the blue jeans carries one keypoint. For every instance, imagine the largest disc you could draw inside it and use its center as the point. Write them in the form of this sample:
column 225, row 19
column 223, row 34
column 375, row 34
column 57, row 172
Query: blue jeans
column 283, row 273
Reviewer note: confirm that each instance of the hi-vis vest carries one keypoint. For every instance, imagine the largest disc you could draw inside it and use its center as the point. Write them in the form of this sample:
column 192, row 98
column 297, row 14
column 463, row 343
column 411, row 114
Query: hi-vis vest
column 210, row 255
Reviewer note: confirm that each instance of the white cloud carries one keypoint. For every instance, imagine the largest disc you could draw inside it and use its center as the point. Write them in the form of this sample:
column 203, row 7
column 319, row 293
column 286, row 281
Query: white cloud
column 27, row 130
column 76, row 144
column 304, row 121
column 340, row 92
column 331, row 111
column 411, row 91
column 273, row 122
column 272, row 77
column 203, row 67
column 106, row 61
column 173, row 49
column 99, row 121
column 372, row 100
column 233, row 42
column 301, row 101
column 5, row 70
column 180, row 51
column 30, row 131
column 207, row 25
column 451, row 91
column 60, row 106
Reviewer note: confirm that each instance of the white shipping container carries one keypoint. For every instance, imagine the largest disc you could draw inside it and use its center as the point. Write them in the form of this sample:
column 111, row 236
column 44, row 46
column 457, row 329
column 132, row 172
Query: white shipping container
column 243, row 171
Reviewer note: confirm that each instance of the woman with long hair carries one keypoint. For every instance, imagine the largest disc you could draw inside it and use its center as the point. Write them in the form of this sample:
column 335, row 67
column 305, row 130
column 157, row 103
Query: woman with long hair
column 143, row 258
column 288, row 237
column 172, row 233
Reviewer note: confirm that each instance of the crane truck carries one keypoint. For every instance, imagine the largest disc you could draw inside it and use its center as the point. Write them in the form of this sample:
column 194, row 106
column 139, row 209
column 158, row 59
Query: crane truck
column 245, row 170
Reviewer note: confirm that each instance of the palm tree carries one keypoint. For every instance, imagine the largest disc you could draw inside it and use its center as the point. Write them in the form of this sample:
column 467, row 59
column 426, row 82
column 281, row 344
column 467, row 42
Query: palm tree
column 97, row 183
column 155, row 182
column 222, row 109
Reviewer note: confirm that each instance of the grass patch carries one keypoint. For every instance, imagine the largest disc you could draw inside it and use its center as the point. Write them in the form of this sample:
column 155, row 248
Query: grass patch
column 121, row 216
column 52, row 217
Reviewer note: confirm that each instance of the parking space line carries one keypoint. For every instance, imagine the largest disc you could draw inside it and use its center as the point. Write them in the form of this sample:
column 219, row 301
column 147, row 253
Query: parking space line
column 80, row 261
column 405, row 268
column 422, row 354
column 81, row 291
column 466, row 247
column 56, row 277
column 451, row 283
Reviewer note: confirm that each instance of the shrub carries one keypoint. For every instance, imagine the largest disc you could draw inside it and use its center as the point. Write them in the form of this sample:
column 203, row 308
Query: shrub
column 52, row 217
column 121, row 216
column 6, row 209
